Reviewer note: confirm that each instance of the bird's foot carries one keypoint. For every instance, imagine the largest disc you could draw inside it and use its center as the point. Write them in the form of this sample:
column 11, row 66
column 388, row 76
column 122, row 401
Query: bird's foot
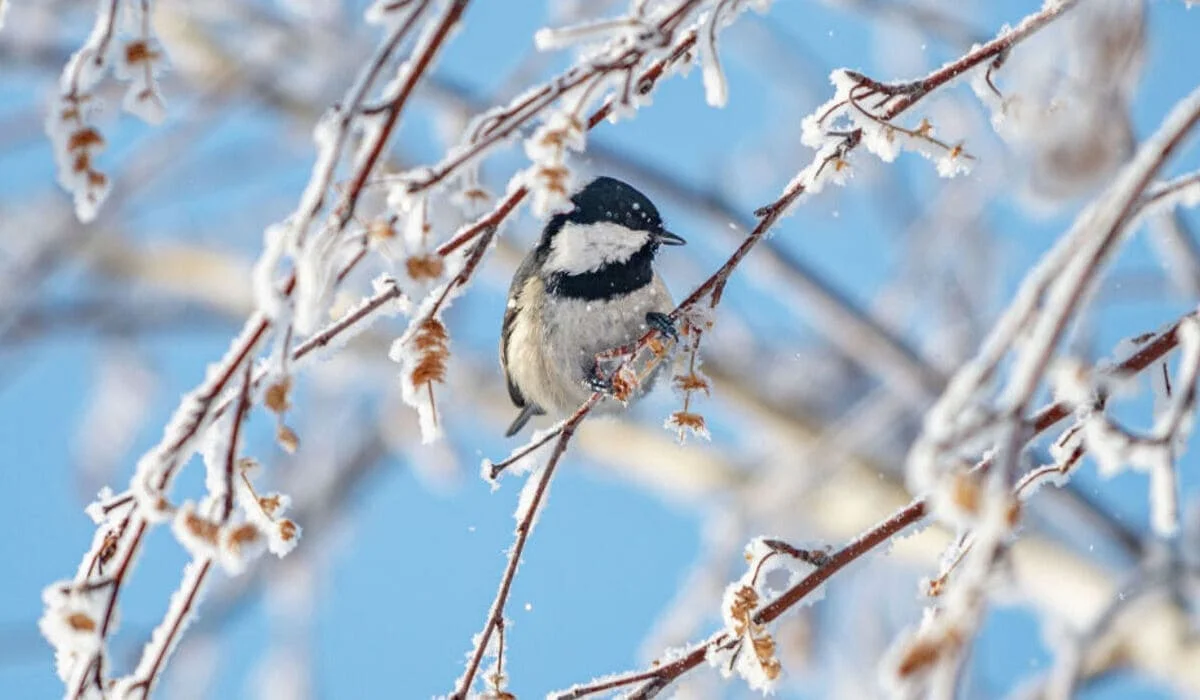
column 600, row 382
column 663, row 324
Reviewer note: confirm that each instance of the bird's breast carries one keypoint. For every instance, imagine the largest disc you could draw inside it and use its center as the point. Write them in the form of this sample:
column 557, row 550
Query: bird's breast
column 555, row 339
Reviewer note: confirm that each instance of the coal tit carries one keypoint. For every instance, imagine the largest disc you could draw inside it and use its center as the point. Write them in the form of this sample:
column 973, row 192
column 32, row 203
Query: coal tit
column 588, row 286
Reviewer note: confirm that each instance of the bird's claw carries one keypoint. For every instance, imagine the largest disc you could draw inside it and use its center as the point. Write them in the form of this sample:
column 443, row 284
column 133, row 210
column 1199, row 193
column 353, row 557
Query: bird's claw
column 663, row 324
column 600, row 383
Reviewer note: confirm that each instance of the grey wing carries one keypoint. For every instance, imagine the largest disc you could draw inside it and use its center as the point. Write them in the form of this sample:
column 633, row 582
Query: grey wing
column 510, row 314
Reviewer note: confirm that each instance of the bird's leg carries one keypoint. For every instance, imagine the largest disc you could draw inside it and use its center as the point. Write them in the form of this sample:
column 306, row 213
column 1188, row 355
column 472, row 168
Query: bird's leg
column 599, row 381
column 663, row 324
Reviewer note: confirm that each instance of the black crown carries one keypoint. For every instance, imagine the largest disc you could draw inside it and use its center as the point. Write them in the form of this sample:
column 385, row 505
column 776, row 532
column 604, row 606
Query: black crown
column 607, row 199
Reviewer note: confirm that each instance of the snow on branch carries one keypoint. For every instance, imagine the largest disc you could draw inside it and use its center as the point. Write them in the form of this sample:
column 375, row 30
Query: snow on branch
column 307, row 257
column 911, row 660
column 320, row 252
column 133, row 56
column 865, row 109
column 1044, row 305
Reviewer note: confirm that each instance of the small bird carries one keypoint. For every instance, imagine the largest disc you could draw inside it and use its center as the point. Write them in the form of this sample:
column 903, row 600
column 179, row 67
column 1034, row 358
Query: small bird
column 588, row 286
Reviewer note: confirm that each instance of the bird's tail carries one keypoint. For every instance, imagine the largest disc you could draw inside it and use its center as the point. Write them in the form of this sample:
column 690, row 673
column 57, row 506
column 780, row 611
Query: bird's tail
column 529, row 411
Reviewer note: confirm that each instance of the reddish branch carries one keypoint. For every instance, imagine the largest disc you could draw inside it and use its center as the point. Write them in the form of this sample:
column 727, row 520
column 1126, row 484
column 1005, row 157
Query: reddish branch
column 420, row 66
column 506, row 122
column 645, row 83
column 496, row 615
column 146, row 683
column 108, row 20
column 995, row 51
column 659, row 677
column 239, row 417
column 206, row 408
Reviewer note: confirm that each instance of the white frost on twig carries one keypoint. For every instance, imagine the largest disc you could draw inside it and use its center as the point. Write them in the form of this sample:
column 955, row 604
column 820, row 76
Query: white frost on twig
column 1116, row 449
column 548, row 178
column 165, row 638
column 265, row 513
column 716, row 88
column 69, row 125
column 71, row 623
column 421, row 352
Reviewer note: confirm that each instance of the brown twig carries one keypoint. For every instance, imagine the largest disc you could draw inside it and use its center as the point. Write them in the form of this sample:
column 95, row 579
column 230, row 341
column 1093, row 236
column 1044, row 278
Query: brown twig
column 661, row 676
column 395, row 106
column 524, row 527
column 504, row 122
column 235, row 433
column 192, row 595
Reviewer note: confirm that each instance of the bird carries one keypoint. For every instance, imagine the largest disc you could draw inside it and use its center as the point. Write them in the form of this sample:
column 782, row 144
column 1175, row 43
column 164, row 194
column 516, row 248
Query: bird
column 588, row 286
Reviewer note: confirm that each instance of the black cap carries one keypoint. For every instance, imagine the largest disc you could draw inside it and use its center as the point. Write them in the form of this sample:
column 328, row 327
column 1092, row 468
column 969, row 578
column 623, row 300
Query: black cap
column 609, row 199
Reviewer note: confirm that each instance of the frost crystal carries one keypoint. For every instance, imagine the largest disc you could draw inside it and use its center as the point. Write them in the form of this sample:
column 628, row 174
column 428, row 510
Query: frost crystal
column 549, row 179
column 165, row 638
column 75, row 139
column 422, row 353
column 716, row 89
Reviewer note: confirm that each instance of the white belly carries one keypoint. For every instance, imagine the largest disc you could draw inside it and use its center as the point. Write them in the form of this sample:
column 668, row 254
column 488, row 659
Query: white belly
column 573, row 331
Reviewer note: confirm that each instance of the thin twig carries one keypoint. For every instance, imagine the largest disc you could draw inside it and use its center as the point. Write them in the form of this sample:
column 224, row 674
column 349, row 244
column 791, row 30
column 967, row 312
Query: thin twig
column 524, row 527
column 663, row 675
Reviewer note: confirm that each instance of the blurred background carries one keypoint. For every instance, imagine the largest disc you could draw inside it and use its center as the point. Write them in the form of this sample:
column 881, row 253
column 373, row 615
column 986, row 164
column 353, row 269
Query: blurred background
column 832, row 341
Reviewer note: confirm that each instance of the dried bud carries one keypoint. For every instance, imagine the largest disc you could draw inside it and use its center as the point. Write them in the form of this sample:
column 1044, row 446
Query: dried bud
column 430, row 340
column 109, row 549
column 287, row 438
column 277, row 396
column 84, row 139
column 381, row 230
column 692, row 382
column 687, row 422
column 81, row 162
column 201, row 528
column 424, row 267
column 241, row 537
column 139, row 52
column 287, row 530
column 81, row 622
column 554, row 178
column 764, row 651
column 919, row 655
column 965, row 492
column 269, row 504
column 1014, row 512
column 745, row 600
column 624, row 383
column 477, row 194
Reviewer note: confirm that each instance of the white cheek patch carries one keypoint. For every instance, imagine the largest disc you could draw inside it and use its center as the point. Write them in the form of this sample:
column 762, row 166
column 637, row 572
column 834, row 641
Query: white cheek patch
column 580, row 248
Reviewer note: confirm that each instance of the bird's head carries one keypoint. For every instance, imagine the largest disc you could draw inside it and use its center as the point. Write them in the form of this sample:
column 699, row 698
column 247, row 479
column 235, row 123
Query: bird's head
column 612, row 230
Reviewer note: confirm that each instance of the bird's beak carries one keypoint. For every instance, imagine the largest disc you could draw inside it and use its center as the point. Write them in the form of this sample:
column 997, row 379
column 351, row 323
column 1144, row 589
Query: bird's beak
column 667, row 238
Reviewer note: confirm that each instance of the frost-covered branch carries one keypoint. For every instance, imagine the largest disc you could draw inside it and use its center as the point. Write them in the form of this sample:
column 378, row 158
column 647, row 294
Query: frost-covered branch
column 532, row 497
column 676, row 663
column 816, row 392
column 619, row 60
column 866, row 108
column 81, row 646
column 70, row 123
column 961, row 421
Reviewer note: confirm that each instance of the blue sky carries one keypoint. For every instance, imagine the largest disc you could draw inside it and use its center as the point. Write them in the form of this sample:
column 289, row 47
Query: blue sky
column 416, row 567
